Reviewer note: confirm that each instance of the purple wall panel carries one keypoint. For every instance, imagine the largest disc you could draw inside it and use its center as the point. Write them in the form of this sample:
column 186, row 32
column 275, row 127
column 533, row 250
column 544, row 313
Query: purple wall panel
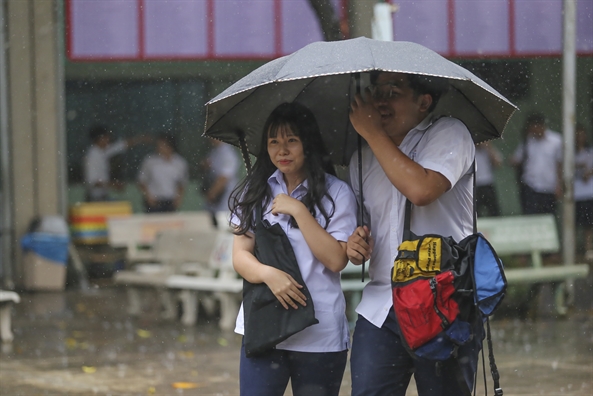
column 244, row 31
column 538, row 27
column 585, row 26
column 104, row 29
column 423, row 22
column 481, row 27
column 300, row 25
column 175, row 28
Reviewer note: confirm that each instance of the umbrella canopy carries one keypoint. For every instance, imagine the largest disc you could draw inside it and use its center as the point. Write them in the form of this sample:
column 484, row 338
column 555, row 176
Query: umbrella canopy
column 321, row 76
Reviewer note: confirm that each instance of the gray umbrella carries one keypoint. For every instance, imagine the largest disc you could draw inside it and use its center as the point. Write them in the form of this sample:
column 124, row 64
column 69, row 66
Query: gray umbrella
column 322, row 76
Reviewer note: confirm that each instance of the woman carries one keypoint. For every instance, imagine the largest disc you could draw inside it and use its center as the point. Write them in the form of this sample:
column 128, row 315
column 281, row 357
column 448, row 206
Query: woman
column 163, row 177
column 295, row 184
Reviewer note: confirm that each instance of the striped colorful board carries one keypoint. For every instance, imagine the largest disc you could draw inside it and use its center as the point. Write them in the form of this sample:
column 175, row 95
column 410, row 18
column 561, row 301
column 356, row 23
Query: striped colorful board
column 88, row 220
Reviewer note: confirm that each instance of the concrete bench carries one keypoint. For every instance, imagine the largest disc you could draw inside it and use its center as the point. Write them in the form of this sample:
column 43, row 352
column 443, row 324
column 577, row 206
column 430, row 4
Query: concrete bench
column 138, row 232
column 533, row 235
column 224, row 283
column 176, row 251
column 7, row 299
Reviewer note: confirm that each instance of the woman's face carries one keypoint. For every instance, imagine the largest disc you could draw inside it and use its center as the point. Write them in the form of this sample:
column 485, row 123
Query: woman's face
column 286, row 152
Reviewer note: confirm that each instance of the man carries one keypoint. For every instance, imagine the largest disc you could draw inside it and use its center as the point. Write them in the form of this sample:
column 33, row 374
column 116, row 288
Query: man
column 97, row 172
column 221, row 169
column 163, row 177
column 412, row 155
column 539, row 161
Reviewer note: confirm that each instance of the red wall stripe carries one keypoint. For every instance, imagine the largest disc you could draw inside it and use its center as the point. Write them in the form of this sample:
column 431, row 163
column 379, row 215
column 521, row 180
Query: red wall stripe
column 278, row 28
column 451, row 27
column 141, row 30
column 512, row 37
column 210, row 31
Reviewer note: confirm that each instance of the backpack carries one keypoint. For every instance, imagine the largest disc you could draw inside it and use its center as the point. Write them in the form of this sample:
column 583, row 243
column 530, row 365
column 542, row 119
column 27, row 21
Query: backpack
column 443, row 292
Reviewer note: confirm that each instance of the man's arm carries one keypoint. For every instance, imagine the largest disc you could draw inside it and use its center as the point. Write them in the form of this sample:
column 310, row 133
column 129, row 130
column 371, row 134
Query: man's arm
column 420, row 185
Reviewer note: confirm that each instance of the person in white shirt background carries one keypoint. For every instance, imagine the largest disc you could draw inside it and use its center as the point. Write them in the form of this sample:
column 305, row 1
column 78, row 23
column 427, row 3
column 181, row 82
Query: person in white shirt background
column 488, row 157
column 539, row 162
column 220, row 177
column 583, row 188
column 163, row 177
column 97, row 170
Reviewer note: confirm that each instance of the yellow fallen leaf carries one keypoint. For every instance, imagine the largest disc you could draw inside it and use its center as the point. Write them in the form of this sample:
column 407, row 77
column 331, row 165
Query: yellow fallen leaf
column 71, row 343
column 151, row 390
column 182, row 338
column 223, row 342
column 186, row 354
column 77, row 334
column 89, row 369
column 143, row 333
column 186, row 385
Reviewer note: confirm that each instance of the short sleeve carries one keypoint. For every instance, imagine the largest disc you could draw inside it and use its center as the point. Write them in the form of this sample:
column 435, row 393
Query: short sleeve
column 448, row 149
column 343, row 221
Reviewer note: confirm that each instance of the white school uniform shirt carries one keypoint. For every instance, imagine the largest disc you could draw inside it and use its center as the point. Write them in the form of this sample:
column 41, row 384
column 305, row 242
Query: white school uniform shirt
column 444, row 146
column 224, row 161
column 484, row 171
column 163, row 177
column 540, row 169
column 331, row 334
column 96, row 169
column 583, row 190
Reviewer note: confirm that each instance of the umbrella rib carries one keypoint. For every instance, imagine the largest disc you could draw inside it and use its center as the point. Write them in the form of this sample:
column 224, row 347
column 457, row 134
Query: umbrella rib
column 477, row 108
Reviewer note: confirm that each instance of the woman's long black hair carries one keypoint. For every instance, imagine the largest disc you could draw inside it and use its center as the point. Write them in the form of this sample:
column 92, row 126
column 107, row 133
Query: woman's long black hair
column 254, row 189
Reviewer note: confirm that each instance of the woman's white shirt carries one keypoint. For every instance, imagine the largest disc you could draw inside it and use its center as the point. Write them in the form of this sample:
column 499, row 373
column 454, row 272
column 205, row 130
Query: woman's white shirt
column 331, row 334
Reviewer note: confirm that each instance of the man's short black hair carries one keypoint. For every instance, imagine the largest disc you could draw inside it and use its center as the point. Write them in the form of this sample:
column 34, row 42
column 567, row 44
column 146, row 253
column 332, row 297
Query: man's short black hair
column 169, row 139
column 436, row 87
column 536, row 118
column 97, row 131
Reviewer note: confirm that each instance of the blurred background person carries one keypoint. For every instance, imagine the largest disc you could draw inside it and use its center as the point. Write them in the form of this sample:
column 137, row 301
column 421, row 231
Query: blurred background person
column 97, row 169
column 220, row 177
column 163, row 177
column 583, row 188
column 488, row 157
column 538, row 160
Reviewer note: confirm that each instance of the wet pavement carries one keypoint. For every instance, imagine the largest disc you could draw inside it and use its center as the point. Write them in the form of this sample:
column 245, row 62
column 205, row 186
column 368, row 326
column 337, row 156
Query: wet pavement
column 84, row 343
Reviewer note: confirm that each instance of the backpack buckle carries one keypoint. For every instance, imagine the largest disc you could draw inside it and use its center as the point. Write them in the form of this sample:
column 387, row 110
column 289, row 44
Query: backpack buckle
column 498, row 392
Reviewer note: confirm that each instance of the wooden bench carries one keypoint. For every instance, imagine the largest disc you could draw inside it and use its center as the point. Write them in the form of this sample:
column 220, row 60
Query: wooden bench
column 7, row 299
column 224, row 284
column 137, row 232
column 533, row 235
column 175, row 252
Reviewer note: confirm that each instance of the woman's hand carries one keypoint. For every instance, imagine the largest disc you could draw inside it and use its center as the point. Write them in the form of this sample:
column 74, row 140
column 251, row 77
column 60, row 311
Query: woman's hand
column 283, row 204
column 284, row 287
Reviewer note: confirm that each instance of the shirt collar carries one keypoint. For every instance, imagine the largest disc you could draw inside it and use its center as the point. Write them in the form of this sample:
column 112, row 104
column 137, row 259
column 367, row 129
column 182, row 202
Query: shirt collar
column 278, row 178
column 421, row 127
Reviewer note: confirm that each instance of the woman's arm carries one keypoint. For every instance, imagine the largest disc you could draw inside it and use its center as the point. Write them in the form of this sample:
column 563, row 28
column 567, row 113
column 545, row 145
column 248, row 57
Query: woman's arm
column 284, row 287
column 330, row 252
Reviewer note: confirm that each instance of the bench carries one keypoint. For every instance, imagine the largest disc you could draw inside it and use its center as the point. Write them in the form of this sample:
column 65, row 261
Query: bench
column 223, row 283
column 175, row 251
column 534, row 235
column 137, row 233
column 7, row 299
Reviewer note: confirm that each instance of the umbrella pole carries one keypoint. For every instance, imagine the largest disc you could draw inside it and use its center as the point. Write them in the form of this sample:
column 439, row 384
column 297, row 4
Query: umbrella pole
column 244, row 150
column 359, row 149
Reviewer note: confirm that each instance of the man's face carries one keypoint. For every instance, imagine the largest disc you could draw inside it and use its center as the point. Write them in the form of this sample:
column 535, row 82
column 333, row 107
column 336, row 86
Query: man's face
column 536, row 130
column 400, row 109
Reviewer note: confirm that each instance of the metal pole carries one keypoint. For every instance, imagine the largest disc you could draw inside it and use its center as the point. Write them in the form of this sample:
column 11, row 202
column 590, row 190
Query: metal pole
column 6, row 228
column 568, row 129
